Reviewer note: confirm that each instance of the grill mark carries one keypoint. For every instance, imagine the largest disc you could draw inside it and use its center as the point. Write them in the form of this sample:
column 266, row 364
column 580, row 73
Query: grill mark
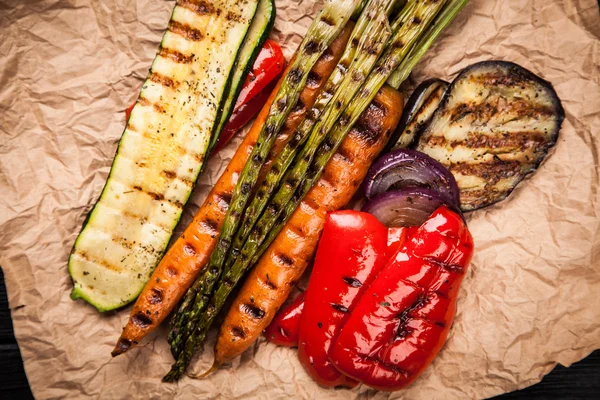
column 223, row 200
column 211, row 226
column 284, row 259
column 339, row 307
column 189, row 249
column 144, row 102
column 270, row 284
column 343, row 155
column 516, row 140
column 238, row 332
column 313, row 80
column 142, row 320
column 351, row 281
column 253, row 311
column 199, row 7
column 361, row 131
column 175, row 55
column 186, row 31
column 156, row 296
column 102, row 262
column 163, row 80
column 169, row 174
column 492, row 172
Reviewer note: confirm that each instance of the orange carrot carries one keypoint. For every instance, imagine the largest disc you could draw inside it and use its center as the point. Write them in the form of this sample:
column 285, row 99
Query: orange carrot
column 182, row 264
column 271, row 280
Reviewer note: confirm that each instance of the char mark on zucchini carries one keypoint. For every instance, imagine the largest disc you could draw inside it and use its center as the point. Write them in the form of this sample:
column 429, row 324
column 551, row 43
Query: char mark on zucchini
column 494, row 126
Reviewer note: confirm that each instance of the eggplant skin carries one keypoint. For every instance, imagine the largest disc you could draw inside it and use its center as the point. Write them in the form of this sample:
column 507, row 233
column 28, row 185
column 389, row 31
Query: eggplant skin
column 494, row 126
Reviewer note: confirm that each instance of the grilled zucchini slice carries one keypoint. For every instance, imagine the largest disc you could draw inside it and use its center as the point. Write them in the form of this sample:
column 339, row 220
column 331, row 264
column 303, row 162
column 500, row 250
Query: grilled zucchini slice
column 160, row 154
column 495, row 125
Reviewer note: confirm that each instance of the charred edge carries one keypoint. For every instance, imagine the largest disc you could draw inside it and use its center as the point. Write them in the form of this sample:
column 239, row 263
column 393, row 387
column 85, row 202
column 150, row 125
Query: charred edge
column 186, row 31
column 253, row 311
column 176, row 56
column 238, row 332
column 362, row 131
column 142, row 320
column 156, row 296
column 355, row 283
column 200, row 7
column 339, row 307
column 122, row 346
column 210, row 226
column 284, row 259
column 163, row 80
column 313, row 80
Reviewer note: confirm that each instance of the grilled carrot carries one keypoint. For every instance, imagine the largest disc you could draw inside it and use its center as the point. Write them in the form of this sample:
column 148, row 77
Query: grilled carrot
column 274, row 276
column 182, row 264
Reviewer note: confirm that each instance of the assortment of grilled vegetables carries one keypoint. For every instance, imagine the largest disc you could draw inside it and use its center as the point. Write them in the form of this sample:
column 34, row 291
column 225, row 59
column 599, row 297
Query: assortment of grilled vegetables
column 455, row 147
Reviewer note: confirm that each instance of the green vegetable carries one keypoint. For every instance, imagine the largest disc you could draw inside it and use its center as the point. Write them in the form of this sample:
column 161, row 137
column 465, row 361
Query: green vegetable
column 326, row 26
column 419, row 16
column 364, row 27
column 255, row 38
column 160, row 155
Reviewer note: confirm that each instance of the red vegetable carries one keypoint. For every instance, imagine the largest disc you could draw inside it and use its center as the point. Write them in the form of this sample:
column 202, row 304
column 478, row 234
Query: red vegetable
column 402, row 320
column 266, row 69
column 242, row 114
column 351, row 252
column 283, row 330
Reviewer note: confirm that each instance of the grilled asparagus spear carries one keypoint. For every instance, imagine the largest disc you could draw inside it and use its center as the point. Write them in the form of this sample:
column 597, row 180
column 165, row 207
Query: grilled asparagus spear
column 417, row 19
column 303, row 131
column 326, row 26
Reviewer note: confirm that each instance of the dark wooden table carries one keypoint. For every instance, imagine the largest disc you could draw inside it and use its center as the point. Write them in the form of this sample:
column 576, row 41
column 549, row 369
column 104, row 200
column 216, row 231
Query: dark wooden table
column 581, row 381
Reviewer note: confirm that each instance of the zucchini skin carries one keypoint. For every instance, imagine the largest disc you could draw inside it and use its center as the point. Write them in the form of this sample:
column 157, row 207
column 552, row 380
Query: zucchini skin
column 228, row 103
column 160, row 154
column 495, row 125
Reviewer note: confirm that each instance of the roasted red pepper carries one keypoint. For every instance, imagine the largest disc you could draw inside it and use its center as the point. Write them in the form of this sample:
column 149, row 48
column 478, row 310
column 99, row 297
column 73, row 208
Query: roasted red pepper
column 283, row 330
column 402, row 320
column 351, row 252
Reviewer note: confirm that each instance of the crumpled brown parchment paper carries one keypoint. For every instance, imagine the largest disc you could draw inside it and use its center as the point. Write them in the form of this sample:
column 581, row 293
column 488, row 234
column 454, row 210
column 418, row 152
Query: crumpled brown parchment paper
column 69, row 69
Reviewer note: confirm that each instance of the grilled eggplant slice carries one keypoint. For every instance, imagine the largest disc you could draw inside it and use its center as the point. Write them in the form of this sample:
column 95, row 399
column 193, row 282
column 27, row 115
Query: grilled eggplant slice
column 495, row 125
column 418, row 112
column 160, row 153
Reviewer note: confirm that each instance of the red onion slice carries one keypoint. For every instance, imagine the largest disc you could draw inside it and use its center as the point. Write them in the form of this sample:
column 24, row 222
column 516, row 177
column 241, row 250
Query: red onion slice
column 410, row 168
column 406, row 207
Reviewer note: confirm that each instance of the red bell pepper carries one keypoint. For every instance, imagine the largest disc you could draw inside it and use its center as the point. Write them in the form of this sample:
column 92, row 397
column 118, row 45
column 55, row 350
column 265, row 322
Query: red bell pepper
column 283, row 330
column 260, row 82
column 267, row 67
column 351, row 252
column 402, row 320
